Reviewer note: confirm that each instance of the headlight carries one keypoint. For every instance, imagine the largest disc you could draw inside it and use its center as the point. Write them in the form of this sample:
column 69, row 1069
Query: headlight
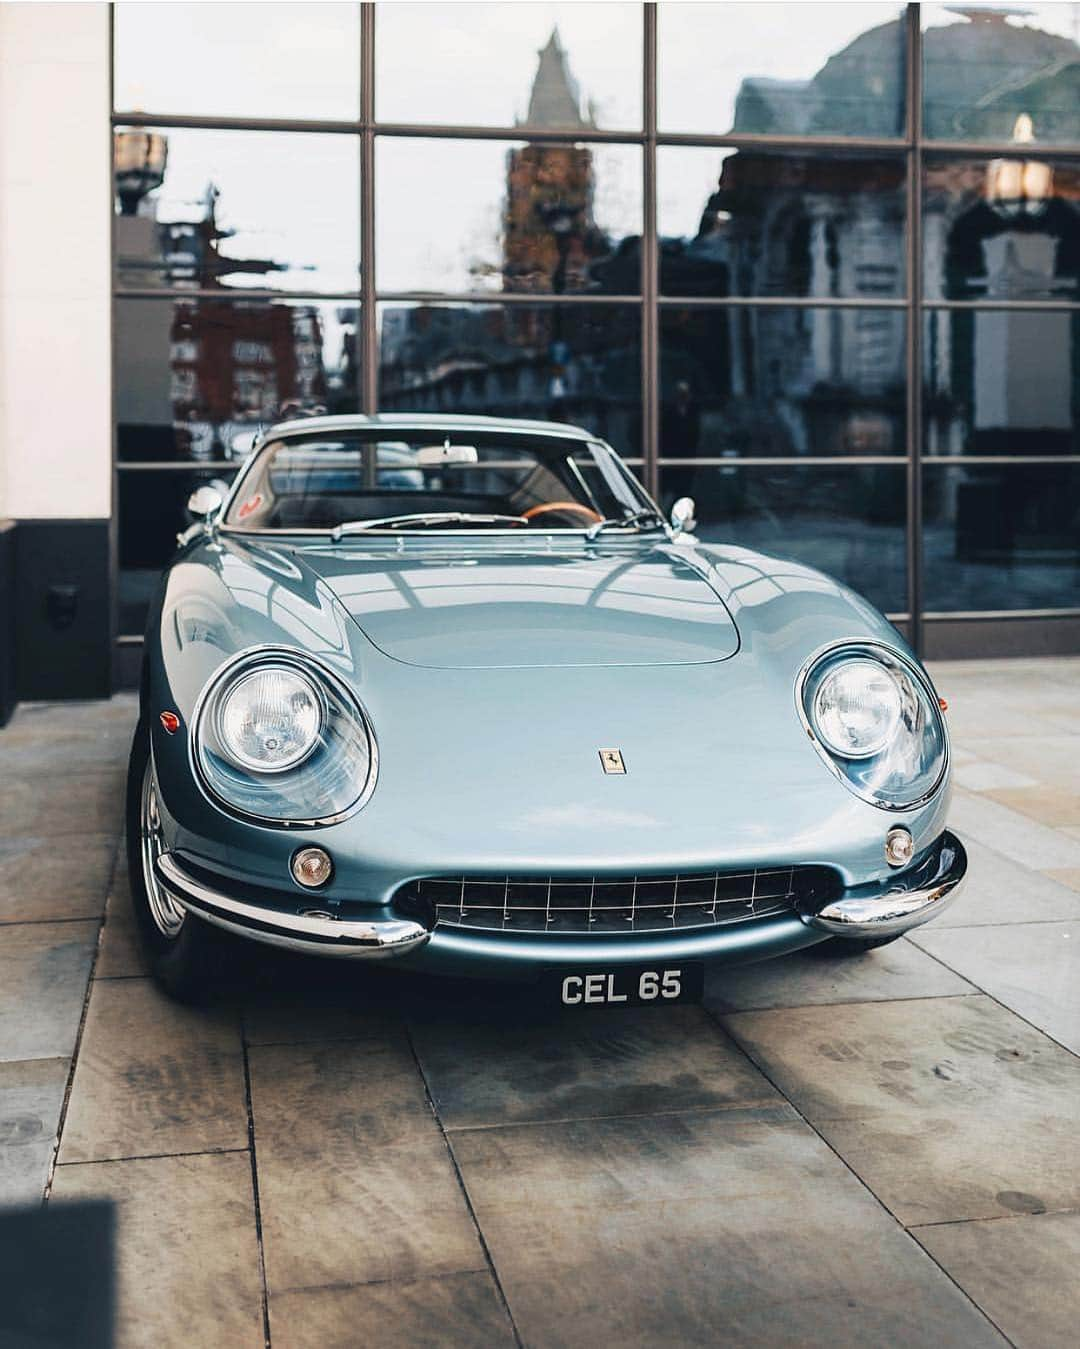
column 269, row 720
column 280, row 739
column 857, row 709
column 875, row 721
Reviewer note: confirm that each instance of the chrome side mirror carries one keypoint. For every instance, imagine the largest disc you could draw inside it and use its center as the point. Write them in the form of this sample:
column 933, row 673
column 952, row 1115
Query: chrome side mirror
column 205, row 503
column 683, row 520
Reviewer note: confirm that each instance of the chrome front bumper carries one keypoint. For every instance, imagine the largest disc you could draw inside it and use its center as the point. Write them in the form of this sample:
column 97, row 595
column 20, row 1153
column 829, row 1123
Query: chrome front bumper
column 314, row 931
column 914, row 897
column 907, row 900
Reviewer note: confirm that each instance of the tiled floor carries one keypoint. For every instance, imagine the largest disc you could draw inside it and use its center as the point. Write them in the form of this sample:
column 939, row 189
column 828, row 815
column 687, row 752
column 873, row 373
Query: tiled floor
column 830, row 1152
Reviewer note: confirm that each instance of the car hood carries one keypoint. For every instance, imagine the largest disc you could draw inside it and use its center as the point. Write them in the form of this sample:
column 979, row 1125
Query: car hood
column 478, row 608
column 498, row 769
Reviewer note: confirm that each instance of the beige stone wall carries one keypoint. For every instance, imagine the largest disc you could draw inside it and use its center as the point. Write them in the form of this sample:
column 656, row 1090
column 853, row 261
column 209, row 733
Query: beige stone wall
column 55, row 329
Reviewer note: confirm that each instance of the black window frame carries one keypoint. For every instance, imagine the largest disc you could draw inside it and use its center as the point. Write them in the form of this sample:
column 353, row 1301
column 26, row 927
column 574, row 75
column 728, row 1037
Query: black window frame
column 912, row 149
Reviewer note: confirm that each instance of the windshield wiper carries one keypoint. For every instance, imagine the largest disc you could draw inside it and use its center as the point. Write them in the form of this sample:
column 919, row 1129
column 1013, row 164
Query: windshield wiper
column 422, row 520
column 635, row 521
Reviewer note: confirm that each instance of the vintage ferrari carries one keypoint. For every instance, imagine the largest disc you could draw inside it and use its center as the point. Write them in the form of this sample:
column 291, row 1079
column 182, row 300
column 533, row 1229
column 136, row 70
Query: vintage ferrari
column 451, row 692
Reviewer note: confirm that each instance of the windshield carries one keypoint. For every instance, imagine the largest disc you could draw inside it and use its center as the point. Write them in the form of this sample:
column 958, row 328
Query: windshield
column 355, row 481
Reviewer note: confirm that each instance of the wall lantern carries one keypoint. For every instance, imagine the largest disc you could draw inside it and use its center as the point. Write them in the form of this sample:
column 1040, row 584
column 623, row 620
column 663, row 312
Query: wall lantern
column 139, row 159
column 1019, row 186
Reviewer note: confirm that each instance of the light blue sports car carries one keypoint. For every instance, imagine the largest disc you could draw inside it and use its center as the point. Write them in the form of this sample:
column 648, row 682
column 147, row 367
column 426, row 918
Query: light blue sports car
column 452, row 693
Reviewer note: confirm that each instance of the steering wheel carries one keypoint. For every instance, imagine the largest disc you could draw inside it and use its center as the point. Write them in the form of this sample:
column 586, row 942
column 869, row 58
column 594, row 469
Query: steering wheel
column 575, row 507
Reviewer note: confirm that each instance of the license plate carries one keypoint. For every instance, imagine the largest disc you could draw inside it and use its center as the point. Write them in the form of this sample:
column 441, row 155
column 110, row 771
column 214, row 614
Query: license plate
column 632, row 986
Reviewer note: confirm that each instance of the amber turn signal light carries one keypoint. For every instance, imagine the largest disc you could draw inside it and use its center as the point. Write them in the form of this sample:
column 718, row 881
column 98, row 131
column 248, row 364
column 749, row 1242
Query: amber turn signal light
column 311, row 867
column 899, row 847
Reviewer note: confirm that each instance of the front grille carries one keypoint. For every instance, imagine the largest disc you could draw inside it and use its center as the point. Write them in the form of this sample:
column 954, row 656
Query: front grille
column 606, row 904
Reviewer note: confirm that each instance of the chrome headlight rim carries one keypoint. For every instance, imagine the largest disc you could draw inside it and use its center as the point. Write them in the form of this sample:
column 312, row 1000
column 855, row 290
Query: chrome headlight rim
column 885, row 654
column 314, row 670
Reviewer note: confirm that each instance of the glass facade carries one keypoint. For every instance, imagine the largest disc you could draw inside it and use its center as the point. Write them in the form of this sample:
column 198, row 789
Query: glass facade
column 750, row 223
column 781, row 69
column 201, row 373
column 579, row 363
column 816, row 265
column 472, row 215
column 226, row 214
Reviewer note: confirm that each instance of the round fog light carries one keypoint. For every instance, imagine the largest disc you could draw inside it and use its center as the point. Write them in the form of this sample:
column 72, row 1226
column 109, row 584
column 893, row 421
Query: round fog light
column 899, row 845
column 312, row 867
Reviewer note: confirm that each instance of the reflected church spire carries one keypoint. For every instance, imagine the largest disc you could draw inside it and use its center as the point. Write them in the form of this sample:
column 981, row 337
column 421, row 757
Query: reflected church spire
column 555, row 100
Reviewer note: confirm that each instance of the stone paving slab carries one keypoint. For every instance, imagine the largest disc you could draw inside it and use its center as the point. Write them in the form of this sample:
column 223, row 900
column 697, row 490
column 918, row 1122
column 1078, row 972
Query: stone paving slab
column 1065, row 669
column 1053, row 805
column 296, row 1023
column 44, row 968
column 65, row 737
column 356, row 1184
column 1001, row 960
column 119, row 956
column 983, row 702
column 998, row 890
column 978, row 715
column 596, row 1063
column 454, row 1311
column 947, row 1108
column 121, row 708
column 31, row 753
column 979, row 775
column 153, row 1077
column 58, row 805
column 1022, row 1271
column 1033, row 845
column 819, row 975
column 31, row 1098
column 1049, row 759
column 302, row 1004
column 40, row 882
column 188, row 1256
column 696, row 1229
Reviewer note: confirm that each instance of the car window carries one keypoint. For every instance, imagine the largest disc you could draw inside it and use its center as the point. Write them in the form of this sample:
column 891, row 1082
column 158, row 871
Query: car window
column 324, row 482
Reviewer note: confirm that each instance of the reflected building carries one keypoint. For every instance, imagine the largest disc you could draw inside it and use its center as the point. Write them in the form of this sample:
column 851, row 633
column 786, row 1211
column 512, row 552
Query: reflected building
column 213, row 368
column 796, row 380
column 810, row 381
column 235, row 365
column 580, row 364
column 202, row 372
column 980, row 76
column 549, row 231
column 806, row 382
column 1004, row 229
column 1001, row 382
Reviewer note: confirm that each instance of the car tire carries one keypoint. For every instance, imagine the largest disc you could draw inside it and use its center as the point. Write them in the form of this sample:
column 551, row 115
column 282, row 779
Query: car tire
column 186, row 957
column 855, row 946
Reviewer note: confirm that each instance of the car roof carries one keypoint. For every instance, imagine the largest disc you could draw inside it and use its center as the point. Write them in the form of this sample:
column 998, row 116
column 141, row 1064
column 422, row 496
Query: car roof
column 420, row 421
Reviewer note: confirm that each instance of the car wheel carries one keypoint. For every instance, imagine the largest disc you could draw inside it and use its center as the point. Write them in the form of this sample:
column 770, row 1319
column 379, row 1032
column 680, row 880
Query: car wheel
column 185, row 955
